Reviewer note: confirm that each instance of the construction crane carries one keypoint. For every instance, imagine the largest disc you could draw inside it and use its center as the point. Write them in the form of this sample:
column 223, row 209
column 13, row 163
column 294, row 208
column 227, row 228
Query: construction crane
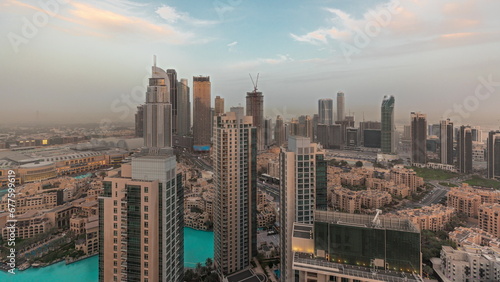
column 254, row 83
column 376, row 220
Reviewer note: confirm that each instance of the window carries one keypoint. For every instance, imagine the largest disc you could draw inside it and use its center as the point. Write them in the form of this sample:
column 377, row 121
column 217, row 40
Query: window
column 146, row 199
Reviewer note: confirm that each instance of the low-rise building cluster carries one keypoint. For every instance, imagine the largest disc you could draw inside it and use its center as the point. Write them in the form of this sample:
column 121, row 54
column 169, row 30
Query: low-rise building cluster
column 346, row 200
column 433, row 217
column 468, row 200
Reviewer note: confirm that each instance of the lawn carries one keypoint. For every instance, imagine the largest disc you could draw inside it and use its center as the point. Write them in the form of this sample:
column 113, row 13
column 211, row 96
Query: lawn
column 483, row 182
column 434, row 174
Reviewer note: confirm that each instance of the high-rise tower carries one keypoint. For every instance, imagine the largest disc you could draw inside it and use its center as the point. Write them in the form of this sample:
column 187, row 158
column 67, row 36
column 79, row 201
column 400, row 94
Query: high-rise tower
column 141, row 217
column 418, row 138
column 446, row 141
column 388, row 143
column 183, row 108
column 219, row 105
column 493, row 150
column 302, row 191
column 202, row 131
column 464, row 149
column 340, row 106
column 139, row 121
column 158, row 111
column 255, row 108
column 279, row 132
column 172, row 78
column 325, row 111
column 235, row 205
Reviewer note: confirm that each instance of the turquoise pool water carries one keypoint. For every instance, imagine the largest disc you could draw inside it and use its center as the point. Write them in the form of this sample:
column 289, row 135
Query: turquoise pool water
column 198, row 246
column 81, row 271
column 83, row 176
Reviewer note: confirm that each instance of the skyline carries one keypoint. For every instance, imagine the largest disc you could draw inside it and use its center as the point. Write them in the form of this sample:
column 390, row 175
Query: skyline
column 444, row 49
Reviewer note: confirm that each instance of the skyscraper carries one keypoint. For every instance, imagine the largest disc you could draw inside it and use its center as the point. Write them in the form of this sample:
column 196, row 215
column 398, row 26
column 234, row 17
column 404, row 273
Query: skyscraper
column 464, row 147
column 235, row 204
column 255, row 108
column 446, row 141
column 340, row 106
column 325, row 111
column 141, row 210
column 219, row 105
column 477, row 134
column 418, row 138
column 239, row 111
column 172, row 77
column 158, row 111
column 388, row 145
column 139, row 121
column 302, row 191
column 279, row 132
column 268, row 131
column 202, row 130
column 364, row 125
column 183, row 108
column 494, row 154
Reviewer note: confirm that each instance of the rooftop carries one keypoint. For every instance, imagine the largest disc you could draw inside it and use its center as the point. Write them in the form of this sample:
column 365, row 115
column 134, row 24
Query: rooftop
column 308, row 261
column 246, row 276
column 363, row 220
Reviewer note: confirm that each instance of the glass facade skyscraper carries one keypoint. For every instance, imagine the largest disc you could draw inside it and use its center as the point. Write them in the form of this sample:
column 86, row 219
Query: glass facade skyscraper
column 387, row 143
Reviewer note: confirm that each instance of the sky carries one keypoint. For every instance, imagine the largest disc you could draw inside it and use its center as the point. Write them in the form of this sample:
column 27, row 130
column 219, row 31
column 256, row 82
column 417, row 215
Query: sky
column 71, row 61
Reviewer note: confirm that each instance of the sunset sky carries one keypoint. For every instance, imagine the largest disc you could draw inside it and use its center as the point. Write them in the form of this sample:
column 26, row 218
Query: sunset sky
column 79, row 61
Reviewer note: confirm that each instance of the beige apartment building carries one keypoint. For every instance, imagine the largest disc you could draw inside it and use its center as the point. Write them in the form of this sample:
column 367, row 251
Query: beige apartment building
column 489, row 218
column 407, row 177
column 467, row 200
column 433, row 217
column 234, row 155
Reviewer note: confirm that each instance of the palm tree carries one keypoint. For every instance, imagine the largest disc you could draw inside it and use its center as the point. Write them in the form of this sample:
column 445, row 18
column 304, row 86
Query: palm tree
column 208, row 263
column 198, row 268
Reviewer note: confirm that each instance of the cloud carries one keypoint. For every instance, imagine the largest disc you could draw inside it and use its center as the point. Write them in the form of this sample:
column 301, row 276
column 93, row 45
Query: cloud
column 118, row 19
column 171, row 15
column 105, row 20
column 279, row 59
column 232, row 46
column 409, row 22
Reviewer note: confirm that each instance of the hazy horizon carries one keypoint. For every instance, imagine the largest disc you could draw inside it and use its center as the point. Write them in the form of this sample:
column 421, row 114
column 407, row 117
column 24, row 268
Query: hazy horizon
column 84, row 59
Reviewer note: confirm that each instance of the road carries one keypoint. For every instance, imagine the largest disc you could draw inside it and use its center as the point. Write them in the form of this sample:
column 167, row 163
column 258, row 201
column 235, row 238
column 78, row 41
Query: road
column 196, row 161
column 435, row 196
column 270, row 189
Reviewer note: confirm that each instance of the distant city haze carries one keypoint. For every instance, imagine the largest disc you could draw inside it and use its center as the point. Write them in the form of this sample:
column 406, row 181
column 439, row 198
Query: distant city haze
column 86, row 61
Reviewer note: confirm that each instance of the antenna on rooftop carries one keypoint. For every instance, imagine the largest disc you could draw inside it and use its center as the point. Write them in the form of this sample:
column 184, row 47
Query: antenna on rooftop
column 154, row 60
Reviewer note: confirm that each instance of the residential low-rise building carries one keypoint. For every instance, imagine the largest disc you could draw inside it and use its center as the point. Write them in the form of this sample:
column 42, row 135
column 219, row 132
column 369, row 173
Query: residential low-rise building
column 467, row 200
column 473, row 236
column 468, row 263
column 28, row 225
column 489, row 218
column 433, row 217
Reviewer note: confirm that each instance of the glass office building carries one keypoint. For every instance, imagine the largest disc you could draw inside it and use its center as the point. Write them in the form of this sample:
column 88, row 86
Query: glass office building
column 389, row 243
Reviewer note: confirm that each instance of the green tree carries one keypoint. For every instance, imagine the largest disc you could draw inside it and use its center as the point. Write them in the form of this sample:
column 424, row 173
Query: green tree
column 208, row 262
column 359, row 164
column 199, row 267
